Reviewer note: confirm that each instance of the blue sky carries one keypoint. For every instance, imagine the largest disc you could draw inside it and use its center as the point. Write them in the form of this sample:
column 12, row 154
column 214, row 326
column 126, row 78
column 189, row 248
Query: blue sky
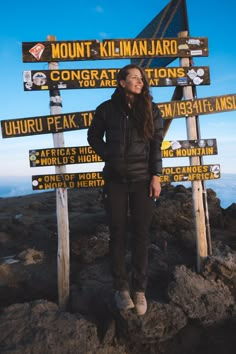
column 80, row 20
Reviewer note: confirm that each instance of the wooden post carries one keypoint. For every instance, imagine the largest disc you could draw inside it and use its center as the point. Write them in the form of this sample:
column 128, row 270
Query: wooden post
column 204, row 189
column 63, row 254
column 198, row 206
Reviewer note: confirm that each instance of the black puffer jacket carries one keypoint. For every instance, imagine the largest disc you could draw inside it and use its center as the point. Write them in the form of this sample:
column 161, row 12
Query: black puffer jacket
column 113, row 136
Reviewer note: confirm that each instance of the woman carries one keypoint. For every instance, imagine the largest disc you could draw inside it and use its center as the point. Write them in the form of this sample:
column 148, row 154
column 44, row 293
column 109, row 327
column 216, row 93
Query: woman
column 127, row 133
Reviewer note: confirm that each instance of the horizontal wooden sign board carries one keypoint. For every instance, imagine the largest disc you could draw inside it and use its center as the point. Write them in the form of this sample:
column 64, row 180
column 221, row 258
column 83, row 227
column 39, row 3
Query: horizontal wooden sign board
column 68, row 180
column 200, row 106
column 46, row 124
column 95, row 179
column 85, row 154
column 106, row 78
column 190, row 173
column 63, row 156
column 188, row 148
column 113, row 49
column 81, row 120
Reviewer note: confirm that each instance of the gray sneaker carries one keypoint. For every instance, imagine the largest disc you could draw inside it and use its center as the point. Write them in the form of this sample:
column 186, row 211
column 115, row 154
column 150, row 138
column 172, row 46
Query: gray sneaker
column 140, row 303
column 123, row 300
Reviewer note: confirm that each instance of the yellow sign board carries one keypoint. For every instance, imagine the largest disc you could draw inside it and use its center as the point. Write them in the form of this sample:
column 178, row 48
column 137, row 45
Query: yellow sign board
column 95, row 179
column 113, row 49
column 46, row 124
column 81, row 120
column 63, row 156
column 190, row 173
column 200, row 106
column 85, row 154
column 188, row 148
column 106, row 78
column 68, row 180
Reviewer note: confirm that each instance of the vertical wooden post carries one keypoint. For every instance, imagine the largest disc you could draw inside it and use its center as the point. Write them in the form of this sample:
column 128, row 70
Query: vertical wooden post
column 198, row 206
column 63, row 254
column 204, row 189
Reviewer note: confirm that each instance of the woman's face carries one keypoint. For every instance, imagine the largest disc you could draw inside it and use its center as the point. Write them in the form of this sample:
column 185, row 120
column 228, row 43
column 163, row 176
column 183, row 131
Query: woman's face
column 133, row 84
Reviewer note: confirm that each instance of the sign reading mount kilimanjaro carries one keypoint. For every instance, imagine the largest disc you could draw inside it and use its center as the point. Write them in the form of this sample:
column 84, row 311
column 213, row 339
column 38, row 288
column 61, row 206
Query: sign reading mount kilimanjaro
column 113, row 49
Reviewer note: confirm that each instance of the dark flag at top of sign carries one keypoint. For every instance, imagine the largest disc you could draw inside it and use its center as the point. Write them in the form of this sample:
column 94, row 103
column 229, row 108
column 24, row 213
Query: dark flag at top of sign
column 168, row 23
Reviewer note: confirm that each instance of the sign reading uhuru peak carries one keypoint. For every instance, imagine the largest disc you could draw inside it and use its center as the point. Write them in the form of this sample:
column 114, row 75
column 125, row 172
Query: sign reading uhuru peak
column 113, row 49
column 20, row 127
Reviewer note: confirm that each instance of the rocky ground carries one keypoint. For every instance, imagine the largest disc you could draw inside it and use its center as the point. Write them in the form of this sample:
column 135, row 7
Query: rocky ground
column 188, row 312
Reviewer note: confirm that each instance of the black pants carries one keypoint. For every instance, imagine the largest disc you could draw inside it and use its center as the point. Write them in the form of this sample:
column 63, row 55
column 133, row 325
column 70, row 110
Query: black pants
column 134, row 197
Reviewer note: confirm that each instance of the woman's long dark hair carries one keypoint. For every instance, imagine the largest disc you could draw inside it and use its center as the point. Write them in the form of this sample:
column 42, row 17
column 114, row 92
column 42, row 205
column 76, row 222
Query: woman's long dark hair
column 142, row 105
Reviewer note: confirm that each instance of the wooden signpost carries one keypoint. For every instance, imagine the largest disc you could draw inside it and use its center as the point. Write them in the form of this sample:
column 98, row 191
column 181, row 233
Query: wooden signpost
column 95, row 179
column 68, row 180
column 198, row 106
column 20, row 127
column 197, row 187
column 50, row 124
column 63, row 248
column 63, row 156
column 85, row 154
column 106, row 78
column 190, row 173
column 187, row 148
column 114, row 49
column 56, row 123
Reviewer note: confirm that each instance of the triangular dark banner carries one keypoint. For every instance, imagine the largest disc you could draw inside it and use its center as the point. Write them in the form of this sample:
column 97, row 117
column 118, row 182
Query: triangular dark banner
column 168, row 23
